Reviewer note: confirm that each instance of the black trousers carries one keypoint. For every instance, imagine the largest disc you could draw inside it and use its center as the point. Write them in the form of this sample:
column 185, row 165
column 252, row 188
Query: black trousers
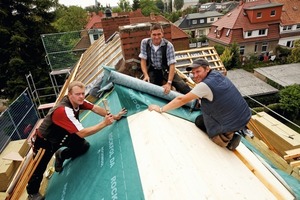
column 158, row 77
column 76, row 146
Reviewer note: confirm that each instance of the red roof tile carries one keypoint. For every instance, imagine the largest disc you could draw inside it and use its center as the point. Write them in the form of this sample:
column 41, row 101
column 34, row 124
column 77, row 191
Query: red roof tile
column 290, row 12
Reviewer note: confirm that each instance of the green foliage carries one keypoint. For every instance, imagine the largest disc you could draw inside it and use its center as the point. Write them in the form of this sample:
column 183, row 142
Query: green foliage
column 135, row 4
column 219, row 48
column 21, row 51
column 124, row 5
column 173, row 16
column 71, row 18
column 148, row 6
column 294, row 57
column 226, row 58
column 290, row 100
column 282, row 52
column 160, row 5
column 235, row 60
column 170, row 6
column 178, row 4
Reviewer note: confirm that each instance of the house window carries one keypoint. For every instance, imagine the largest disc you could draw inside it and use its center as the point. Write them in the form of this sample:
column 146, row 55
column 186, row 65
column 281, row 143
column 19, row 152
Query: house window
column 201, row 21
column 194, row 21
column 286, row 28
column 242, row 50
column 290, row 43
column 298, row 26
column 264, row 47
column 212, row 19
column 255, row 48
column 258, row 15
column 249, row 33
column 228, row 32
column 273, row 13
column 218, row 34
column 262, row 32
column 201, row 32
column 95, row 36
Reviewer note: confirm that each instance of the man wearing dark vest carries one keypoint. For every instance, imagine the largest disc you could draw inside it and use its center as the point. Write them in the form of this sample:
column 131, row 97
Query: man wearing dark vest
column 224, row 110
column 62, row 128
column 158, row 62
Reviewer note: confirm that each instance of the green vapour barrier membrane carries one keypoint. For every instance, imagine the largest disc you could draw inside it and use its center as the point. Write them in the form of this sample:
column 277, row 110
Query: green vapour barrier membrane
column 109, row 169
column 143, row 86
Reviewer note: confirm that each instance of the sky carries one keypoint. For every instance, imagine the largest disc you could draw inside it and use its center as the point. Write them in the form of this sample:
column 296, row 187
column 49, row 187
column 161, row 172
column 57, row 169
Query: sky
column 85, row 3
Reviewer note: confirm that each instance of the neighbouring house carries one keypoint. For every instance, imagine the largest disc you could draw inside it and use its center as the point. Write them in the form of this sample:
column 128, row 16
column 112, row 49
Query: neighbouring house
column 198, row 24
column 289, row 28
column 226, row 6
column 254, row 26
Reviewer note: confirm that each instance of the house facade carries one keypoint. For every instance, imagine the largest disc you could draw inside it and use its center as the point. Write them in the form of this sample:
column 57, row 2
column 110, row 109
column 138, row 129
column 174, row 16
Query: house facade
column 289, row 28
column 198, row 24
column 258, row 27
column 254, row 26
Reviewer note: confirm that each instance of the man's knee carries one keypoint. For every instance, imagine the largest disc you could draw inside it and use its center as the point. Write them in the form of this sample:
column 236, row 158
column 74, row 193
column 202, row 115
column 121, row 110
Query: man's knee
column 199, row 122
column 85, row 147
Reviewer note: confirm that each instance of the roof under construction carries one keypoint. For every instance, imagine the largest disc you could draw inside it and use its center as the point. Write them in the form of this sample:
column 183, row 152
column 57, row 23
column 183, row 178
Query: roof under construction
column 147, row 155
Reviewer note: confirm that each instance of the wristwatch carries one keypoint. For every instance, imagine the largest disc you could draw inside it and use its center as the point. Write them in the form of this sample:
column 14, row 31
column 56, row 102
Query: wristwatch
column 170, row 82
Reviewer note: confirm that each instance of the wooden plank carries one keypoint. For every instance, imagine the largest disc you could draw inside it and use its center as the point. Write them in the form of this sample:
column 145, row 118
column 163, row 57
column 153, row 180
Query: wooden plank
column 13, row 156
column 295, row 163
column 176, row 160
column 294, row 153
column 46, row 106
column 24, row 176
column 263, row 174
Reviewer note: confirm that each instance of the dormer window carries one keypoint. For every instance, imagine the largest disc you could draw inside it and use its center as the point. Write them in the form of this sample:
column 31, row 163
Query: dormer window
column 194, row 21
column 273, row 13
column 249, row 33
column 258, row 15
column 262, row 32
column 218, row 34
column 228, row 32
column 286, row 28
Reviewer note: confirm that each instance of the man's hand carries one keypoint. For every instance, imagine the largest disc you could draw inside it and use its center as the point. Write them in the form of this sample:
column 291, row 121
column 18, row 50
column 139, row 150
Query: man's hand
column 154, row 107
column 120, row 114
column 108, row 119
column 146, row 78
column 167, row 88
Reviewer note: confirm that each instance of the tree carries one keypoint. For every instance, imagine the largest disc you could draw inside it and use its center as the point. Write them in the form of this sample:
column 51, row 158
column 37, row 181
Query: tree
column 295, row 55
column 235, row 61
column 71, row 18
column 290, row 100
column 21, row 50
column 160, row 5
column 170, row 6
column 226, row 58
column 178, row 4
column 135, row 4
column 148, row 6
column 124, row 5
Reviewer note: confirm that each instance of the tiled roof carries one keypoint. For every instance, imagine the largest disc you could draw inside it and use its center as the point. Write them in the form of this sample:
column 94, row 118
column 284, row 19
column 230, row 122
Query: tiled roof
column 290, row 11
column 238, row 22
column 203, row 15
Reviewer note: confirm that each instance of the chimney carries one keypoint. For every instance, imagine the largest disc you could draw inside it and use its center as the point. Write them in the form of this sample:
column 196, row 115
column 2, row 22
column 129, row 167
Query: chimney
column 111, row 24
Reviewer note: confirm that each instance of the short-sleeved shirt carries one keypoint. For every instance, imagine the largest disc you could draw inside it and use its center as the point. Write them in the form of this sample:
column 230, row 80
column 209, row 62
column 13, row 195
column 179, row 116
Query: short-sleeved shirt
column 156, row 56
column 67, row 118
column 203, row 91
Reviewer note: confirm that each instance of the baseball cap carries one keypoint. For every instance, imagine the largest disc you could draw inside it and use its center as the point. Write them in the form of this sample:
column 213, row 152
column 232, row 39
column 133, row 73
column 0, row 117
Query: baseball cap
column 197, row 63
